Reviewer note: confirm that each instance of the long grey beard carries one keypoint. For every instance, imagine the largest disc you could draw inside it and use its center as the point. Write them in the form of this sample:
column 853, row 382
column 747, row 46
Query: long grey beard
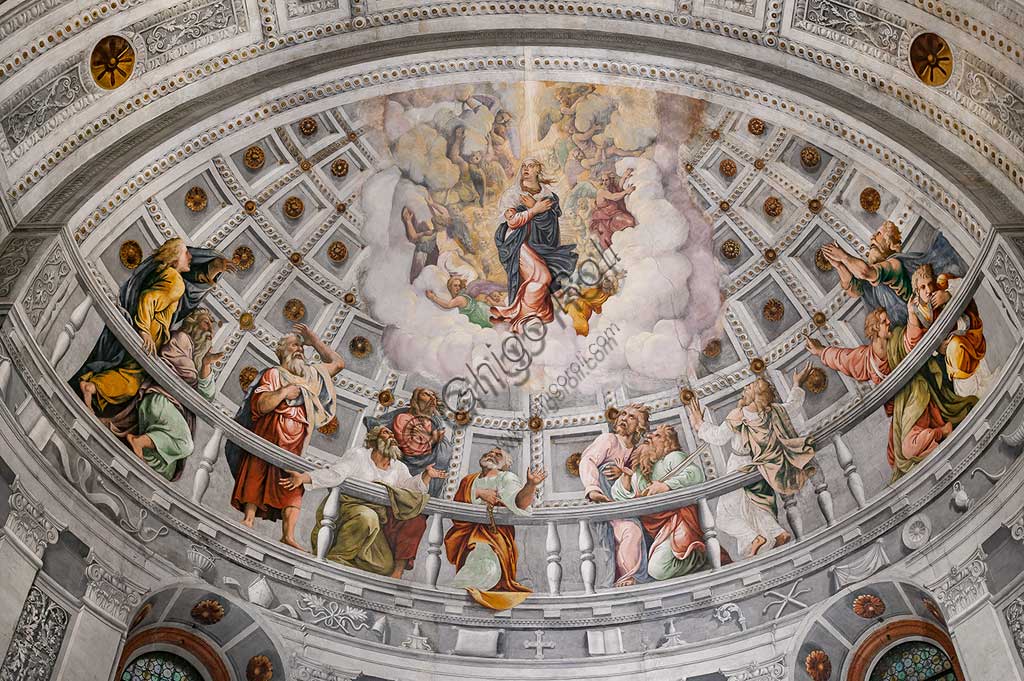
column 201, row 347
column 392, row 451
column 295, row 365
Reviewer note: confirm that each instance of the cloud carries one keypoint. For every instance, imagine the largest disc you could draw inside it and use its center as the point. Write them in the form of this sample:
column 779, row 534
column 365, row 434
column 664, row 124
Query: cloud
column 668, row 302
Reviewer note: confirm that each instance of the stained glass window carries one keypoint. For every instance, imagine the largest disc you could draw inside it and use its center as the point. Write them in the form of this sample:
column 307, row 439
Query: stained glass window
column 160, row 667
column 914, row 661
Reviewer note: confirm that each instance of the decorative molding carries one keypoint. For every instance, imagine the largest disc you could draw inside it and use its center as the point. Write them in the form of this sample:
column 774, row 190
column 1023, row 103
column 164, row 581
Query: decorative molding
column 17, row 252
column 1016, row 526
column 111, row 591
column 338, row 616
column 30, row 522
column 747, row 8
column 1014, row 614
column 307, row 8
column 1004, row 271
column 855, row 23
column 52, row 275
column 963, row 587
column 988, row 93
column 773, row 670
column 727, row 612
column 36, row 109
column 308, row 669
column 182, row 29
column 869, row 562
column 37, row 640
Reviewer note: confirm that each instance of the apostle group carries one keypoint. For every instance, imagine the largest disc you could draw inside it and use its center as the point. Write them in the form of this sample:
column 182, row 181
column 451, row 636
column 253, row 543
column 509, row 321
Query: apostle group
column 406, row 450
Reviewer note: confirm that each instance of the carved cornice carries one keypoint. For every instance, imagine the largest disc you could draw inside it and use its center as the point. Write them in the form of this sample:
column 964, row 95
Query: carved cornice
column 963, row 587
column 774, row 670
column 902, row 95
column 30, row 522
column 111, row 592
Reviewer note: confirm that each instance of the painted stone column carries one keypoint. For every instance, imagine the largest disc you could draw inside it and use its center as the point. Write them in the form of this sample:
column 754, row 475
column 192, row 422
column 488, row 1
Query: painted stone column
column 95, row 640
column 26, row 534
column 981, row 640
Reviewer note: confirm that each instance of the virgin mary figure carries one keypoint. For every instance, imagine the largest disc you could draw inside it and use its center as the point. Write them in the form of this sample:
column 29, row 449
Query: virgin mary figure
column 530, row 249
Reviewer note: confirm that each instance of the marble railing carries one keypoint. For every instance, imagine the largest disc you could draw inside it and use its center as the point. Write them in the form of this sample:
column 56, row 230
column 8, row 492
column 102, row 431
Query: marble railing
column 581, row 517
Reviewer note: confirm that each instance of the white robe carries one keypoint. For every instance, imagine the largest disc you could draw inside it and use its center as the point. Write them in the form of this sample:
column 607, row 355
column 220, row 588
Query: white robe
column 737, row 514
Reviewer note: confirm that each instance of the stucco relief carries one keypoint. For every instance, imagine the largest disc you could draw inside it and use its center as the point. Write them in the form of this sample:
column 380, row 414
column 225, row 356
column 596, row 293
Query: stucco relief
column 963, row 587
column 862, row 25
column 37, row 639
column 28, row 114
column 30, row 522
column 111, row 591
column 178, row 30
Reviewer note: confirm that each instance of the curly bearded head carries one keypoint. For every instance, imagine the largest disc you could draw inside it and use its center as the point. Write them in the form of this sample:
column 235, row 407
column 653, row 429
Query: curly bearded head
column 663, row 440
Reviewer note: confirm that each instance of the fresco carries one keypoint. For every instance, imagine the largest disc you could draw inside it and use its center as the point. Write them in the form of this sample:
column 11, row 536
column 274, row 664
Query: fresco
column 544, row 239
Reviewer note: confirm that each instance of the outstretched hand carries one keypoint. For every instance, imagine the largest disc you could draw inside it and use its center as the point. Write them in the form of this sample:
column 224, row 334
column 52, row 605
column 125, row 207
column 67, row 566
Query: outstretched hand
column 535, row 476
column 801, row 374
column 432, row 473
column 814, row 347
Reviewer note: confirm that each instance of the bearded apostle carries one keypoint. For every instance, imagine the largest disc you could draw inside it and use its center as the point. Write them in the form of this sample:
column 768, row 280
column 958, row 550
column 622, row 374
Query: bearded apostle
column 601, row 464
column 379, row 539
column 161, row 292
column 283, row 406
column 659, row 466
column 762, row 437
column 926, row 408
column 883, row 278
column 485, row 556
column 419, row 432
column 155, row 425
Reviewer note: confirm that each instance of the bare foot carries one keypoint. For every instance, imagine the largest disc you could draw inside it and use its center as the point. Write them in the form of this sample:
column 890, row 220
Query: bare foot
column 756, row 545
column 135, row 442
column 782, row 538
column 628, row 581
column 248, row 522
column 88, row 391
column 946, row 429
column 399, row 570
column 289, row 541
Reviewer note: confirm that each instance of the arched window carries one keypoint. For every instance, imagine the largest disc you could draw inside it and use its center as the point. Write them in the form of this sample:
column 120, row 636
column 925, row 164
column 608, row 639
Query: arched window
column 160, row 666
column 914, row 661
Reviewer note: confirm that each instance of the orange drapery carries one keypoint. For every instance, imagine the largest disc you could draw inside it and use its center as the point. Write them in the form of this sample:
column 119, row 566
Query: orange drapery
column 461, row 539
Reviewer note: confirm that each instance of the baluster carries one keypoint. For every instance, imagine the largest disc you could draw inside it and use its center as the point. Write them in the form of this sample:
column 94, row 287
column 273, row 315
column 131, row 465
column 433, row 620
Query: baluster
column 554, row 549
column 206, row 462
column 796, row 521
column 1015, row 438
column 6, row 367
column 434, row 539
column 588, row 568
column 824, row 498
column 328, row 524
column 707, row 523
column 71, row 328
column 853, row 480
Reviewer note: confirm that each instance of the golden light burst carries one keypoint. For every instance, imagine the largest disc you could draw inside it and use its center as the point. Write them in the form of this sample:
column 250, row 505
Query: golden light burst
column 112, row 62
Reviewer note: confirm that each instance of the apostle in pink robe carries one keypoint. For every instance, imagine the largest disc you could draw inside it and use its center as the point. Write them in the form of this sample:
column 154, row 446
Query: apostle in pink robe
column 601, row 464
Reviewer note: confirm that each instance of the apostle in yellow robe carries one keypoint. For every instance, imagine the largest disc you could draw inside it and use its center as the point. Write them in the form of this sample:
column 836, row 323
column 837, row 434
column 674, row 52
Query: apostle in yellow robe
column 159, row 294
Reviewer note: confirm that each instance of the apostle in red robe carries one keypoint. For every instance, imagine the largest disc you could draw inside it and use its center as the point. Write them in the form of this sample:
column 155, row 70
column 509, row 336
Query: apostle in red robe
column 283, row 406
